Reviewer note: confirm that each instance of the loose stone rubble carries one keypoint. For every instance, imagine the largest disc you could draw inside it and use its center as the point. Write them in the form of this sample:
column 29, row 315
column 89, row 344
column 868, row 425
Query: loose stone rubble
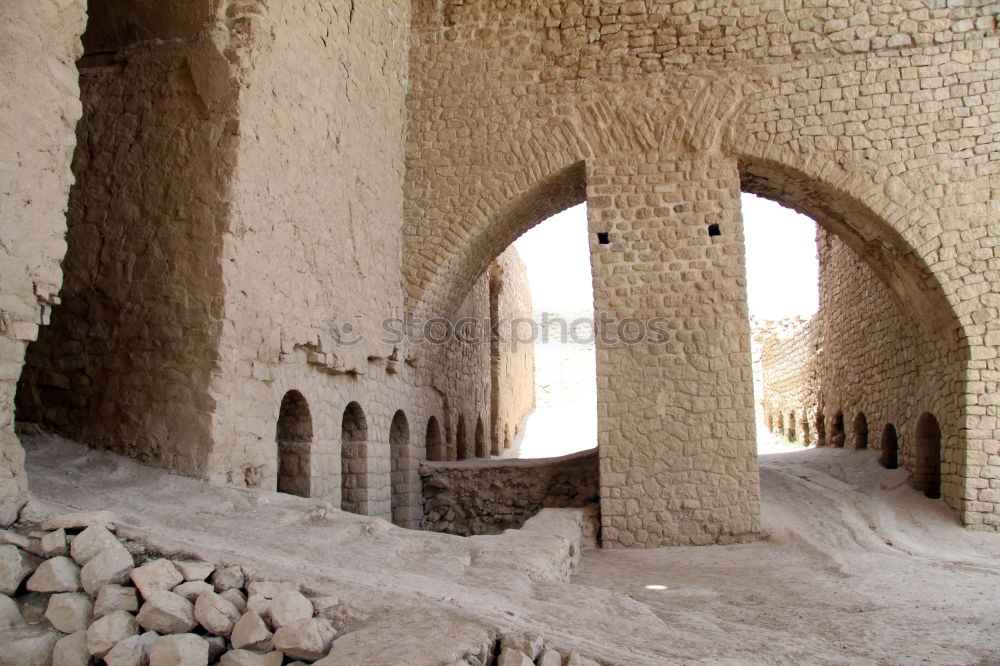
column 171, row 612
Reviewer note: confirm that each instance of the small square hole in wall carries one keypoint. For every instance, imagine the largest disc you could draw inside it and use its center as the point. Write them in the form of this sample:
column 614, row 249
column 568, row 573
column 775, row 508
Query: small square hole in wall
column 714, row 230
column 603, row 237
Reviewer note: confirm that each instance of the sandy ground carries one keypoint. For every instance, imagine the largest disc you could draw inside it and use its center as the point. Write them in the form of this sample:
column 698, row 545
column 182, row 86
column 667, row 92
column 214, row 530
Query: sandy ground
column 859, row 568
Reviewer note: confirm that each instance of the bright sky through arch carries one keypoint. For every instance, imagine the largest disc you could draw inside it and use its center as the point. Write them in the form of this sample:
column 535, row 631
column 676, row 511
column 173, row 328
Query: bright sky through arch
column 782, row 267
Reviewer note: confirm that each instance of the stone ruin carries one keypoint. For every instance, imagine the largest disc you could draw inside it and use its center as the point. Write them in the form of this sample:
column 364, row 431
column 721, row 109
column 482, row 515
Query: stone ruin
column 219, row 215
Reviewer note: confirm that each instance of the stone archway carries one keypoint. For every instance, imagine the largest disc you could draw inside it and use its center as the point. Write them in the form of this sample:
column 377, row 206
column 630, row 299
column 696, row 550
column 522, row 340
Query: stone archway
column 890, row 447
column 860, row 428
column 926, row 456
column 404, row 478
column 354, row 460
column 294, row 439
column 433, row 444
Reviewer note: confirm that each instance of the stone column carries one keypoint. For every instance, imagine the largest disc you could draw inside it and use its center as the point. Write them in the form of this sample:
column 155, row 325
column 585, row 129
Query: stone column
column 676, row 420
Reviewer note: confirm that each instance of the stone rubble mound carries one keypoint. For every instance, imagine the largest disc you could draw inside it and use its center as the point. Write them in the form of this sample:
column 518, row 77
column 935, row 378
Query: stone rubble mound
column 74, row 595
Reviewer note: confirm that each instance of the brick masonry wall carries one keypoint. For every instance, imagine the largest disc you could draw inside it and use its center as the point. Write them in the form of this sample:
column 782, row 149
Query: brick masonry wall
column 789, row 378
column 39, row 110
column 872, row 118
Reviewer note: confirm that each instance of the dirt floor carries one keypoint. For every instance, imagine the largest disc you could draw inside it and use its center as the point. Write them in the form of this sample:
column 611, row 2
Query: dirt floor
column 858, row 569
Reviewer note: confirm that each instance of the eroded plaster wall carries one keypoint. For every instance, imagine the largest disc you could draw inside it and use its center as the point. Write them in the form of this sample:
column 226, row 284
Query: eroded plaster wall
column 128, row 358
column 39, row 110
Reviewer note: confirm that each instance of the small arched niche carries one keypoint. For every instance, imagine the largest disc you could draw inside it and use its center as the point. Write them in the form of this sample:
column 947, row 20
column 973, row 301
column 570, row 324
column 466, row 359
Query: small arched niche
column 837, row 435
column 433, row 446
column 890, row 448
column 354, row 459
column 860, row 431
column 294, row 439
column 480, row 439
column 927, row 456
column 461, row 440
column 402, row 469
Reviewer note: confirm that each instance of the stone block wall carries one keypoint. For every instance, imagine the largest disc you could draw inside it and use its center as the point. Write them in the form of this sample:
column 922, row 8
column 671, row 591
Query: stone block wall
column 39, row 110
column 512, row 352
column 788, row 354
column 480, row 497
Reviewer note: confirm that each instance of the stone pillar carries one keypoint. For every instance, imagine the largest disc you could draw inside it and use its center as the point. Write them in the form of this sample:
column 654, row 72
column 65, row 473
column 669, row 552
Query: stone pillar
column 676, row 421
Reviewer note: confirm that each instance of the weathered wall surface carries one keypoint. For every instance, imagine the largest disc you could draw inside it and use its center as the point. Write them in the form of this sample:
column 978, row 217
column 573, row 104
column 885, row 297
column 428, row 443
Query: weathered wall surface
column 39, row 109
column 512, row 352
column 863, row 355
column 478, row 497
column 789, row 378
column 127, row 360
column 873, row 118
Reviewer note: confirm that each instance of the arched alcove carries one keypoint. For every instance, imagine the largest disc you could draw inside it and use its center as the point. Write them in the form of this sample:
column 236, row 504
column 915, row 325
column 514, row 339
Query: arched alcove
column 461, row 440
column 926, row 456
column 480, row 439
column 433, row 446
column 354, row 459
column 294, row 438
column 860, row 429
column 820, row 429
column 890, row 448
column 403, row 470
column 837, row 435
column 790, row 433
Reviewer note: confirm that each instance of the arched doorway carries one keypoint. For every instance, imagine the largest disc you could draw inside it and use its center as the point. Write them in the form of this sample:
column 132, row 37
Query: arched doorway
column 860, row 431
column 926, row 458
column 820, row 429
column 461, row 441
column 480, row 439
column 293, row 438
column 354, row 460
column 890, row 448
column 433, row 446
column 790, row 427
column 403, row 470
column 837, row 435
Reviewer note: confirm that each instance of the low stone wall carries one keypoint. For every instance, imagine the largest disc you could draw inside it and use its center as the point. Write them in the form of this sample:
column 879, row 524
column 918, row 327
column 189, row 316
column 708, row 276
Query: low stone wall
column 487, row 497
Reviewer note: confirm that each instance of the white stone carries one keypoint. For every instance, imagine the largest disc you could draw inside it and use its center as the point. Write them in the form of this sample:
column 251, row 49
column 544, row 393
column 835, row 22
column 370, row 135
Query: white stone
column 261, row 605
column 71, row 650
column 289, row 607
column 512, row 657
column 70, row 612
column 79, row 521
column 248, row 658
column 15, row 566
column 236, row 598
column 228, row 578
column 54, row 544
column 217, row 615
column 27, row 646
column 10, row 615
column 107, row 631
column 133, row 651
column 193, row 589
column 251, row 632
column 11, row 538
column 550, row 658
column 115, row 597
column 89, row 543
column 111, row 565
column 60, row 574
column 156, row 576
column 193, row 570
column 179, row 650
column 167, row 613
column 307, row 639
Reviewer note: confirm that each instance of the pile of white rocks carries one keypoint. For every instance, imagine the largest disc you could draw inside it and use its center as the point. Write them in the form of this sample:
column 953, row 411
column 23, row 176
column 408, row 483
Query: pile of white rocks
column 72, row 594
column 522, row 650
